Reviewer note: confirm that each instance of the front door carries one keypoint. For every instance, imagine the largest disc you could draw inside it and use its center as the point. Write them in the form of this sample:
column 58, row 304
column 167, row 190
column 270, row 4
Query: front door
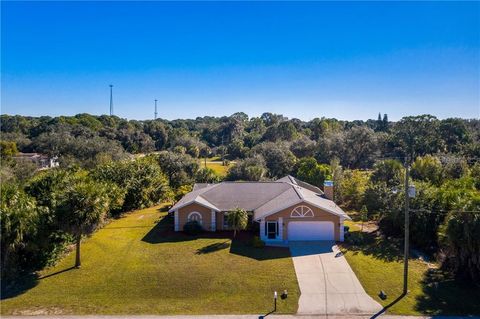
column 271, row 230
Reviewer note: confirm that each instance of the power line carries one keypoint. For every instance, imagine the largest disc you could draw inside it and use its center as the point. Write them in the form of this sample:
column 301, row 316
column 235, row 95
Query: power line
column 469, row 159
column 444, row 211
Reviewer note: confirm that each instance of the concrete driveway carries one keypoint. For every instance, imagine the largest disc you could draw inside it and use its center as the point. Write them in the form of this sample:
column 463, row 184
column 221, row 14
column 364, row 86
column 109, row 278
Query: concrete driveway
column 328, row 285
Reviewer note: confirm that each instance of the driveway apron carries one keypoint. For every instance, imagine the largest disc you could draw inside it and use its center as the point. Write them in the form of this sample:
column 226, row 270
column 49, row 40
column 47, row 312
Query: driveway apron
column 327, row 283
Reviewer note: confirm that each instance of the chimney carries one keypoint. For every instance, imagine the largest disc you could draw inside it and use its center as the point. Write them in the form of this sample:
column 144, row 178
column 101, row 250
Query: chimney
column 328, row 189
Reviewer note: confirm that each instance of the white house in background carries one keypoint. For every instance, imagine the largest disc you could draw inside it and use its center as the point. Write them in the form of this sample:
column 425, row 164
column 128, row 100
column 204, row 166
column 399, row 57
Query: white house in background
column 41, row 160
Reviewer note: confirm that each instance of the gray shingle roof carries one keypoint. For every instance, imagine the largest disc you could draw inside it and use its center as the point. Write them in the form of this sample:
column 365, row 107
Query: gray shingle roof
column 287, row 198
column 262, row 198
column 296, row 181
column 246, row 195
column 198, row 186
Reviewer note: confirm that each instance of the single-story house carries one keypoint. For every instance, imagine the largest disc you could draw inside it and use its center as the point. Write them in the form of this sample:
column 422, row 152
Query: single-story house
column 286, row 210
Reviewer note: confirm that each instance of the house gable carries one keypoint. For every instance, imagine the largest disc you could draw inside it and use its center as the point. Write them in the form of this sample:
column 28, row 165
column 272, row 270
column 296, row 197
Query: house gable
column 304, row 196
column 184, row 212
column 288, row 214
column 198, row 201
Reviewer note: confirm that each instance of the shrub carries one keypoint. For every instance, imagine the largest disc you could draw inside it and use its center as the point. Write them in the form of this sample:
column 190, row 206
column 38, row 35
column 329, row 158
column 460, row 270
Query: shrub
column 142, row 181
column 18, row 220
column 249, row 169
column 346, row 232
column 311, row 172
column 389, row 172
column 257, row 242
column 356, row 238
column 192, row 228
column 352, row 188
column 455, row 167
column 426, row 218
column 475, row 173
column 392, row 222
column 462, row 244
column 459, row 232
column 427, row 168
column 379, row 198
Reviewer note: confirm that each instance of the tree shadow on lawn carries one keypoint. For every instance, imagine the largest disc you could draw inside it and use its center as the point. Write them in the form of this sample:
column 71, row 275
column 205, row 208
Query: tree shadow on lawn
column 443, row 294
column 18, row 286
column 125, row 227
column 243, row 247
column 381, row 312
column 25, row 282
column 57, row 273
column 163, row 232
column 388, row 249
column 213, row 248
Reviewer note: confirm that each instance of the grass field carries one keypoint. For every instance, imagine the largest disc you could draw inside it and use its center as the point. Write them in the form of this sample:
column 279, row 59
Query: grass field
column 216, row 165
column 137, row 265
column 378, row 265
column 353, row 225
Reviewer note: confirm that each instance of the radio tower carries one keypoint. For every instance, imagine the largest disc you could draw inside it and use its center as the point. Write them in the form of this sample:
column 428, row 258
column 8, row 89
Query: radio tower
column 111, row 99
column 155, row 109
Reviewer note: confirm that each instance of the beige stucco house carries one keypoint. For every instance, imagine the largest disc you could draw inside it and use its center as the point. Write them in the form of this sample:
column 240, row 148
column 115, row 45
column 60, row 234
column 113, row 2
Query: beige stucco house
column 286, row 210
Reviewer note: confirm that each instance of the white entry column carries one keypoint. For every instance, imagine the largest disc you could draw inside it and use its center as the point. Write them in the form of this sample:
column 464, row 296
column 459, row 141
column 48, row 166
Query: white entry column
column 342, row 230
column 262, row 229
column 280, row 228
column 176, row 222
column 214, row 221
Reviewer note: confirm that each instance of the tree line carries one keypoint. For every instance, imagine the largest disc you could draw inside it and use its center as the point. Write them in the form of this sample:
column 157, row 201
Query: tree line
column 43, row 212
column 88, row 140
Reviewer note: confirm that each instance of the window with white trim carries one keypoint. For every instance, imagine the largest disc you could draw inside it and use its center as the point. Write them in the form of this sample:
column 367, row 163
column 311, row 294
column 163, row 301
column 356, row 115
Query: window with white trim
column 301, row 211
column 225, row 221
column 272, row 229
column 195, row 216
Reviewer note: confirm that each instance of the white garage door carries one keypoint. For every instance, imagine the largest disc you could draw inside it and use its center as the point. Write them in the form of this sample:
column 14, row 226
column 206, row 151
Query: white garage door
column 310, row 231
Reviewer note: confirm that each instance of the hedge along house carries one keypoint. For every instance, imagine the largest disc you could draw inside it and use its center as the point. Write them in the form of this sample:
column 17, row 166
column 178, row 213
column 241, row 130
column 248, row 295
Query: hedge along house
column 286, row 210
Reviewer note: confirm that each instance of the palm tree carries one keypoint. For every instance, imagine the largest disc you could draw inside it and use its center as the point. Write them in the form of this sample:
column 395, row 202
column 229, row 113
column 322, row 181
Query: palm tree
column 82, row 207
column 237, row 220
column 18, row 216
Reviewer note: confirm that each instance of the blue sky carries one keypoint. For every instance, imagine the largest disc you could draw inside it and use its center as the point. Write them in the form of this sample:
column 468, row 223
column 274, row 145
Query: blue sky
column 304, row 60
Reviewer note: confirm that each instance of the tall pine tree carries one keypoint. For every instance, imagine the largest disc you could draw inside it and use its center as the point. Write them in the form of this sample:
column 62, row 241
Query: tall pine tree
column 379, row 125
column 385, row 122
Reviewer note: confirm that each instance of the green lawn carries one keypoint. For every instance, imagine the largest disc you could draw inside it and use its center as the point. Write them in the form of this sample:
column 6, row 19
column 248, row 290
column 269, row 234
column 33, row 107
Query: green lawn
column 137, row 265
column 378, row 264
column 217, row 166
column 353, row 225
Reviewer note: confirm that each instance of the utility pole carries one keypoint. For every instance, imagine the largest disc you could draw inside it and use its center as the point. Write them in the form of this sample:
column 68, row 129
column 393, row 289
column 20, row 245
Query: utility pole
column 111, row 99
column 155, row 109
column 407, row 231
